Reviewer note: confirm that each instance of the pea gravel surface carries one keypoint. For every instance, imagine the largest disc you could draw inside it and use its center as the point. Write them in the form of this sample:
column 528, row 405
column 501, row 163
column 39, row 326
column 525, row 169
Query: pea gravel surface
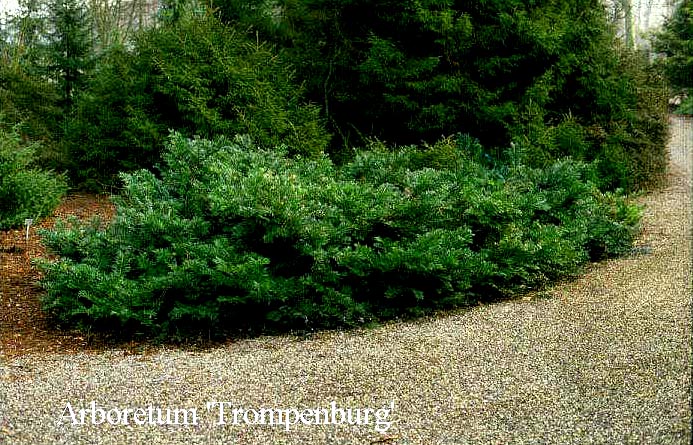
column 604, row 359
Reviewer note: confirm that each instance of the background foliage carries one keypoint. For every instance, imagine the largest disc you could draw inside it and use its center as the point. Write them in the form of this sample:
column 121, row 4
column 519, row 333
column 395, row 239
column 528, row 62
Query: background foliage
column 26, row 96
column 675, row 42
column 196, row 75
column 548, row 75
column 25, row 190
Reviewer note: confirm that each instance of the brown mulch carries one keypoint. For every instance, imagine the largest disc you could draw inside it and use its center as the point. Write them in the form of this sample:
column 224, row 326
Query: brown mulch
column 24, row 327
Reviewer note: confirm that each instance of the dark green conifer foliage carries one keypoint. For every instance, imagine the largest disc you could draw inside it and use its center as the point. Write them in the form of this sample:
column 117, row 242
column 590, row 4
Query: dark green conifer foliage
column 27, row 96
column 25, row 190
column 260, row 230
column 502, row 70
column 195, row 75
column 228, row 237
column 675, row 42
column 70, row 48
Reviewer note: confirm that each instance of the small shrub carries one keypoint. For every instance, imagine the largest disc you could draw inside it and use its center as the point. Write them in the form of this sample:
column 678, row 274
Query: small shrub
column 25, row 191
column 230, row 237
column 686, row 106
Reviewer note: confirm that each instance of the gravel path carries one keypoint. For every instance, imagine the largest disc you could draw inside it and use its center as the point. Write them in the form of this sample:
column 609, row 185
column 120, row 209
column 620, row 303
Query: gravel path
column 605, row 359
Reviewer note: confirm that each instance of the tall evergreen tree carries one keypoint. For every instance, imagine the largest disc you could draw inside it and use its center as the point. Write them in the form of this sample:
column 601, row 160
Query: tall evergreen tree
column 71, row 46
column 412, row 70
column 27, row 97
column 676, row 43
column 196, row 75
column 542, row 73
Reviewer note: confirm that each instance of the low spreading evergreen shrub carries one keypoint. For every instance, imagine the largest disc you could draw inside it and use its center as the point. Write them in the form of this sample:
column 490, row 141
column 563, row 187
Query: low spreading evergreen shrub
column 228, row 237
column 25, row 190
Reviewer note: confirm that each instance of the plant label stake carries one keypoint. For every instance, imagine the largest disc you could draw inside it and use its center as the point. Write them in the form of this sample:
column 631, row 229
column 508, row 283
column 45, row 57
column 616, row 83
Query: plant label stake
column 28, row 222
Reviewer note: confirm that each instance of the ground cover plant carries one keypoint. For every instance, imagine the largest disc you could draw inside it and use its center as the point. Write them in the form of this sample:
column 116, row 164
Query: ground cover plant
column 228, row 237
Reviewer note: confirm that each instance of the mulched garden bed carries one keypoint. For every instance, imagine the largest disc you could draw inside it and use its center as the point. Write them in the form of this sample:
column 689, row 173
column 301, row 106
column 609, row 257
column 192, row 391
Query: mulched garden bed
column 24, row 327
